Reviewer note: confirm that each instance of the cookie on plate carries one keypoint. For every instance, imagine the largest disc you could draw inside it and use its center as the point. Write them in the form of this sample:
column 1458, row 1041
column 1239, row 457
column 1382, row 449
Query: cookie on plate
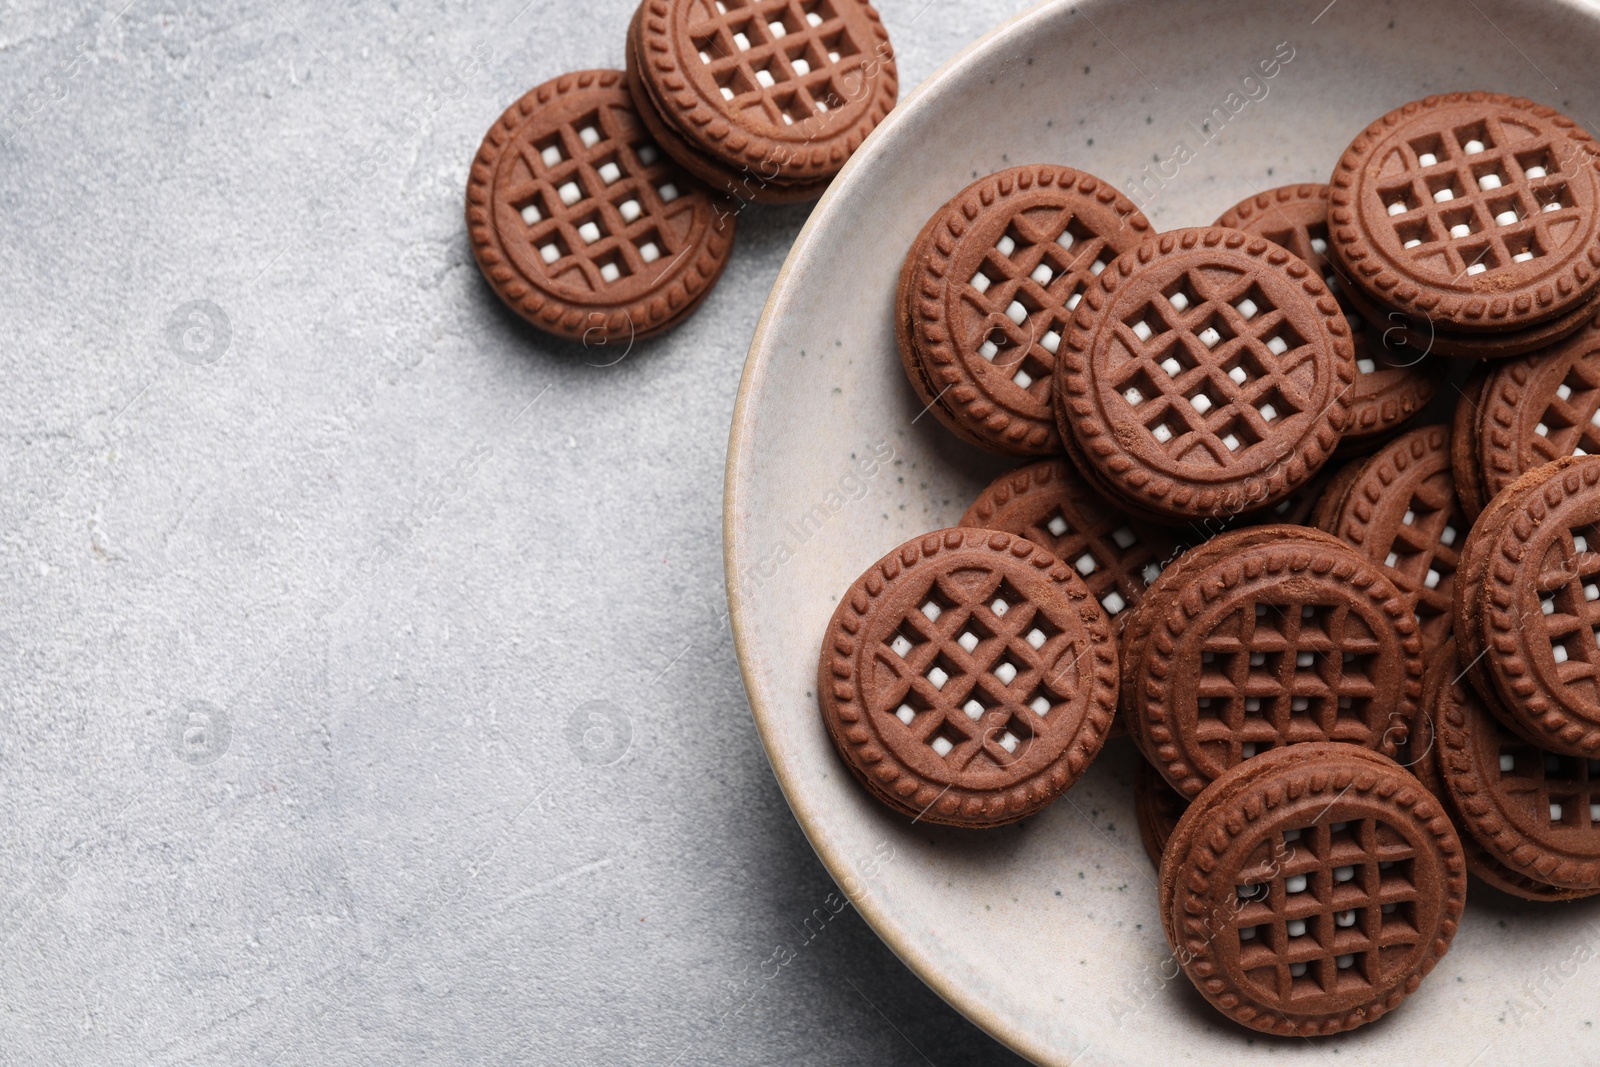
column 1050, row 505
column 1527, row 606
column 1206, row 373
column 987, row 290
column 581, row 224
column 1157, row 808
column 1517, row 798
column 1399, row 509
column 1309, row 891
column 968, row 678
column 1530, row 411
column 1264, row 638
column 1477, row 216
column 1393, row 384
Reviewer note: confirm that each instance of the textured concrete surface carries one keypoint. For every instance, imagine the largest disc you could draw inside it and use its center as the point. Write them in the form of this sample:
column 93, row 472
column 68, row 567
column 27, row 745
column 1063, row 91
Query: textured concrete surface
column 366, row 691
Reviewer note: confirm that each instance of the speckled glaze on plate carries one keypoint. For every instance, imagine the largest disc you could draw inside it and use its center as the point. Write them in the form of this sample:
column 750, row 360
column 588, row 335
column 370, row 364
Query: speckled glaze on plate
column 1047, row 933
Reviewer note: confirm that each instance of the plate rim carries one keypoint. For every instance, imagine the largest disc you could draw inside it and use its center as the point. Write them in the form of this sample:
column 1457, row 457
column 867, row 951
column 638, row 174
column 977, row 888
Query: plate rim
column 903, row 946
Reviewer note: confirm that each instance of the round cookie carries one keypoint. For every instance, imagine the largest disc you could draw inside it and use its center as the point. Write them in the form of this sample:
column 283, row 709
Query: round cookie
column 1539, row 409
column 1447, row 692
column 1157, row 809
column 581, row 224
column 1476, row 211
column 767, row 101
column 1050, row 505
column 1400, row 510
column 1301, row 504
column 968, row 678
column 739, row 185
column 1527, row 605
column 1311, row 890
column 1533, row 811
column 1326, row 511
column 988, row 289
column 1265, row 638
column 1392, row 385
column 1205, row 373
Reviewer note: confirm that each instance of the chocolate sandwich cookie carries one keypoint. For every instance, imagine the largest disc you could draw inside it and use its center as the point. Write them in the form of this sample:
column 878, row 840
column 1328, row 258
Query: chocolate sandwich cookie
column 1424, row 337
column 1157, row 809
column 763, row 100
column 1309, row 891
column 1392, row 385
column 1324, row 513
column 1476, row 212
column 1300, row 505
column 1050, row 505
column 582, row 225
column 1450, row 696
column 1205, row 373
column 1539, row 409
column 1527, row 606
column 1464, row 444
column 988, row 288
column 968, row 678
column 1400, row 510
column 1263, row 638
column 1533, row 811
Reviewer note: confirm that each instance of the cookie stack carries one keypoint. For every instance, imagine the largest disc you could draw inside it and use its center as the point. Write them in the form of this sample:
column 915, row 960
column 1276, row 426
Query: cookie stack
column 1356, row 644
column 601, row 207
column 1469, row 220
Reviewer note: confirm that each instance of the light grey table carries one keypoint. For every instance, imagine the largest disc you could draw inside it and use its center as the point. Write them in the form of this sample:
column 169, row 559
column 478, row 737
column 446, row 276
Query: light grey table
column 367, row 695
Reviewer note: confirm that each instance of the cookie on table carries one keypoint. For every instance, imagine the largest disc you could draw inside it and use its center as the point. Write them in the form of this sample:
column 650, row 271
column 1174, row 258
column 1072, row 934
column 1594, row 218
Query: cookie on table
column 1392, row 385
column 968, row 678
column 1264, row 638
column 1451, row 697
column 582, row 225
column 1527, row 606
column 987, row 290
column 1206, row 373
column 1310, row 890
column 1399, row 509
column 763, row 100
column 1050, row 505
column 1475, row 215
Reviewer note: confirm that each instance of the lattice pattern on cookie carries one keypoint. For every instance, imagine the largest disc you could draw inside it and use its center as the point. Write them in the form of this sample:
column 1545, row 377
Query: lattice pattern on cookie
column 1474, row 198
column 1277, row 674
column 1102, row 547
column 969, row 669
column 1328, row 908
column 1554, row 791
column 1210, row 368
column 1570, row 423
column 1427, row 548
column 596, row 199
column 1018, row 302
column 779, row 61
column 1569, row 599
column 1311, row 243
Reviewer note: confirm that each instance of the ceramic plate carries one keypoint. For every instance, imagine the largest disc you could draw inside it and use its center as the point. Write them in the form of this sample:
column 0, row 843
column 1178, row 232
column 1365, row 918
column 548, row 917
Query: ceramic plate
column 1046, row 933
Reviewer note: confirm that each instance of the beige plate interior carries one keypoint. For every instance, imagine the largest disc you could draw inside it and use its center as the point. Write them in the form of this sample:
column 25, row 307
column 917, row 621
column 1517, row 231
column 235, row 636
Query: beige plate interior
column 1046, row 933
